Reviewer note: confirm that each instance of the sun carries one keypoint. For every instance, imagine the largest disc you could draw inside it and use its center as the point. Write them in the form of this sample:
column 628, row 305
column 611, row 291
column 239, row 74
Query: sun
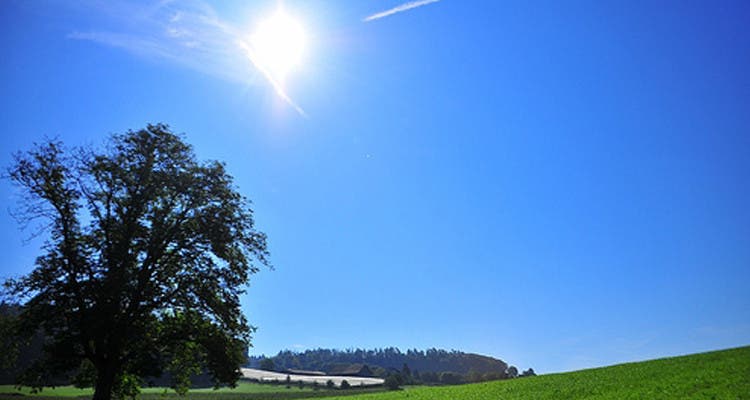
column 278, row 45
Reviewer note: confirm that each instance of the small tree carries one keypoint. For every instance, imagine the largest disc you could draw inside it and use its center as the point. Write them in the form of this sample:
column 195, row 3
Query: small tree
column 330, row 384
column 148, row 253
column 406, row 374
column 405, row 371
column 450, row 378
column 393, row 381
column 345, row 384
column 430, row 377
column 474, row 376
column 267, row 364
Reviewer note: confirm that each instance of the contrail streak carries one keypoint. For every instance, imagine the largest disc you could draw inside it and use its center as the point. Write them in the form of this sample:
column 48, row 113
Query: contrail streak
column 276, row 85
column 398, row 9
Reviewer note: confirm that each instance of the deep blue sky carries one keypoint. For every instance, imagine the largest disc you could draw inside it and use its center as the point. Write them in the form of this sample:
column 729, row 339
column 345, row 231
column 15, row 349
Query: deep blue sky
column 557, row 184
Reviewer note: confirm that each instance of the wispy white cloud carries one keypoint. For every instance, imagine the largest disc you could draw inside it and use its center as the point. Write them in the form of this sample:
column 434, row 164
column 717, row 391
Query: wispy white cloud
column 395, row 10
column 188, row 33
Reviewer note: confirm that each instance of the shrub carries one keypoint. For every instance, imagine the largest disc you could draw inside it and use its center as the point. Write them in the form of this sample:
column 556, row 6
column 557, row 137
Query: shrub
column 392, row 382
column 450, row 378
column 267, row 364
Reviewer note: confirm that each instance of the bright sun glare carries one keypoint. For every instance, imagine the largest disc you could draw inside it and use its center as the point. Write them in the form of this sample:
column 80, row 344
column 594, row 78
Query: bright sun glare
column 278, row 44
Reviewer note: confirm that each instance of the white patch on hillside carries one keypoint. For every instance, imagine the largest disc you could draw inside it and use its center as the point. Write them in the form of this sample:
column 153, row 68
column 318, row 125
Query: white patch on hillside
column 268, row 376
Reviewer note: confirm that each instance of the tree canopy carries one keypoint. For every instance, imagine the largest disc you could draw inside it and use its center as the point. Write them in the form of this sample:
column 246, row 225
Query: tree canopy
column 148, row 252
column 414, row 365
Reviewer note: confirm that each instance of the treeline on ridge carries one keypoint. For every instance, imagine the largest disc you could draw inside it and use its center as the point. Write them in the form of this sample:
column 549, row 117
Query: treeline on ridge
column 432, row 366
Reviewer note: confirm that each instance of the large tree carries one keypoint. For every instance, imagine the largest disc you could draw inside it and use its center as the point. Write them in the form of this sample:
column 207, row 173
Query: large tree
column 147, row 255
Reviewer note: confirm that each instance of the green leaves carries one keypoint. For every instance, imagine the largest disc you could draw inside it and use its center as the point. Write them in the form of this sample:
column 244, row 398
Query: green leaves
column 185, row 363
column 144, row 241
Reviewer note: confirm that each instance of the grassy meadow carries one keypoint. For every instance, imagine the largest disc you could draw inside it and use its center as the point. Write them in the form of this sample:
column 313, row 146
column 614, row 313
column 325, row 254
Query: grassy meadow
column 244, row 390
column 716, row 375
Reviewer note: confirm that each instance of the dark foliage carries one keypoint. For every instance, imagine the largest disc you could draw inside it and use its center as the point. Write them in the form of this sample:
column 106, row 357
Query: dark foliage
column 148, row 253
column 393, row 381
column 428, row 366
column 267, row 364
column 450, row 378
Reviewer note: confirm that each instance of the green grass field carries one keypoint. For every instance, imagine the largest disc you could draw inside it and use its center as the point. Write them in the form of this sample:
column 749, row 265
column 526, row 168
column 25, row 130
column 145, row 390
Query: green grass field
column 717, row 375
column 244, row 390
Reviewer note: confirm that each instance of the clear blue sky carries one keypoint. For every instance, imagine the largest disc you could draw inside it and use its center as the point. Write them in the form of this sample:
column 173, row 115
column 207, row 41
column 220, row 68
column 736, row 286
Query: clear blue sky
column 557, row 184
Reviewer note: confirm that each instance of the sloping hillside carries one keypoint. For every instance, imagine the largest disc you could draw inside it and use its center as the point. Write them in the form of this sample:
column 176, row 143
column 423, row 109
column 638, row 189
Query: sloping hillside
column 427, row 361
column 715, row 375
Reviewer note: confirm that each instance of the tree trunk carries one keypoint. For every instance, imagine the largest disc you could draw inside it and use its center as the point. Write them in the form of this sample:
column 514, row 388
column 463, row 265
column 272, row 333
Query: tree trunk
column 105, row 382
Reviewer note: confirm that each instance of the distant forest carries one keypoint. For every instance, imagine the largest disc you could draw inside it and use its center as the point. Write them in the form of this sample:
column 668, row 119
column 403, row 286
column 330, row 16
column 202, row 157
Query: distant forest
column 413, row 366
column 432, row 366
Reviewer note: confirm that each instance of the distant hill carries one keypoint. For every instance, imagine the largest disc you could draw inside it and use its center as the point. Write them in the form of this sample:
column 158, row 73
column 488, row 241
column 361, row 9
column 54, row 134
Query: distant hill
column 427, row 366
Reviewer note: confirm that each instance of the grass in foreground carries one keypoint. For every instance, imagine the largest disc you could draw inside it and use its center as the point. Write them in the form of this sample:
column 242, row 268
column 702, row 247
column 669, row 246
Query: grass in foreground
column 244, row 390
column 716, row 375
